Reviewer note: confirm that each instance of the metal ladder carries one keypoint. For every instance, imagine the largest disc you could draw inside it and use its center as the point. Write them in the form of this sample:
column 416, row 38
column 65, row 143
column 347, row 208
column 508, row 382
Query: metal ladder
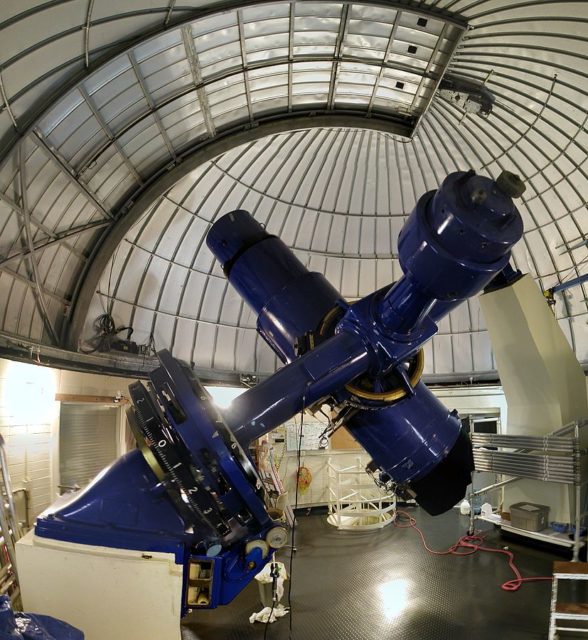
column 10, row 532
column 570, row 611
column 274, row 487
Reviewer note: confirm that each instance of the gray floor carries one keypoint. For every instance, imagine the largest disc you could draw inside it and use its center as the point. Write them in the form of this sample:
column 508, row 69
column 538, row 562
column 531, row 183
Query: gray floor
column 341, row 579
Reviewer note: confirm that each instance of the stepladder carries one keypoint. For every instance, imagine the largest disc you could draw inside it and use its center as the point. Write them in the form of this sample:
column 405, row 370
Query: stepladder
column 10, row 532
column 569, row 618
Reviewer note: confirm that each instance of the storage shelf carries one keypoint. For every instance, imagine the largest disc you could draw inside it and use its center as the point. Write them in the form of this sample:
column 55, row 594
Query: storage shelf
column 546, row 535
column 555, row 457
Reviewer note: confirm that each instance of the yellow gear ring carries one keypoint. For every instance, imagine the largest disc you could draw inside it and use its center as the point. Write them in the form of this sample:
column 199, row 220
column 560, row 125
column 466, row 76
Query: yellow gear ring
column 393, row 394
column 383, row 396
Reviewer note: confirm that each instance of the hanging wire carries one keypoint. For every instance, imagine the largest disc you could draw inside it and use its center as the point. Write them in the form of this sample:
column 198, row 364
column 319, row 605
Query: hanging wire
column 294, row 523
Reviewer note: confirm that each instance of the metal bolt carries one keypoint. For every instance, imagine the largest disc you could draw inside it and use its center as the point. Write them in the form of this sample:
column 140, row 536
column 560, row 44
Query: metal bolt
column 478, row 196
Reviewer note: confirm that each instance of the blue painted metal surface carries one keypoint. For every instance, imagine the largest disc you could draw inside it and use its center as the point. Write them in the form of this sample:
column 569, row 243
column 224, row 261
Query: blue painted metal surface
column 302, row 383
column 124, row 506
column 230, row 572
column 31, row 626
column 407, row 438
column 202, row 497
column 288, row 299
column 453, row 243
column 574, row 282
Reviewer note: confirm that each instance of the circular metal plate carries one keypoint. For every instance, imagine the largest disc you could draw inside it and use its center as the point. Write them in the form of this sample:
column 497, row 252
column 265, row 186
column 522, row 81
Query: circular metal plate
column 277, row 537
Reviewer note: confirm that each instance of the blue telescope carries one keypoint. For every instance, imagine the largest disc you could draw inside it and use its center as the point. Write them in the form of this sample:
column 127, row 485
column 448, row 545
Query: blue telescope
column 190, row 488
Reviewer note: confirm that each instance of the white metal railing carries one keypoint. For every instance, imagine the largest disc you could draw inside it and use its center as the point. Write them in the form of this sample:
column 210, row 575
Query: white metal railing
column 355, row 502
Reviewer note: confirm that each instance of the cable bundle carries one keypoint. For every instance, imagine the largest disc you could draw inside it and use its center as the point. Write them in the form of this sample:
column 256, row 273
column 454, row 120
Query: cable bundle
column 468, row 545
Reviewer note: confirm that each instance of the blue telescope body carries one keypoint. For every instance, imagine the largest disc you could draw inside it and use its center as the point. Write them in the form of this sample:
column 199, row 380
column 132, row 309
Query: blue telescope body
column 191, row 489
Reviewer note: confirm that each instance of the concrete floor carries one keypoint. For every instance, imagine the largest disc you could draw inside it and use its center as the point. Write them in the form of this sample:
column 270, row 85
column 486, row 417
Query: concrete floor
column 384, row 585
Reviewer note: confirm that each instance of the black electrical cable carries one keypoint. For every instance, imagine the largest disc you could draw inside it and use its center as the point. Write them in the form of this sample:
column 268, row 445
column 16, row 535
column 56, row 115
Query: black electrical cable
column 107, row 330
column 293, row 542
column 267, row 622
column 104, row 325
column 274, row 574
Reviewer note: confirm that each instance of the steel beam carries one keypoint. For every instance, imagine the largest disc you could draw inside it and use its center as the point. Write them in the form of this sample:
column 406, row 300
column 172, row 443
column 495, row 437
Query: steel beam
column 36, row 283
column 456, row 44
column 112, row 50
column 229, row 73
column 386, row 54
column 427, row 72
column 243, row 48
column 114, row 139
column 38, row 139
column 30, row 283
column 337, row 56
column 149, row 99
column 7, row 104
column 44, row 228
column 291, row 15
column 87, row 27
column 43, row 244
column 192, row 56
column 170, row 10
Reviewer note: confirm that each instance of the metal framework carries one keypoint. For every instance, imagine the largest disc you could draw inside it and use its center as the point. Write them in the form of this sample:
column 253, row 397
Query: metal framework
column 143, row 201
column 10, row 533
column 355, row 504
column 555, row 457
column 573, row 615
column 134, row 116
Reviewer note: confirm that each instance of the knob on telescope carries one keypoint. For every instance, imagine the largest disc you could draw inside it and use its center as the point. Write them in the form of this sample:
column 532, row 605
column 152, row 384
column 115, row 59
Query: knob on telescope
column 510, row 184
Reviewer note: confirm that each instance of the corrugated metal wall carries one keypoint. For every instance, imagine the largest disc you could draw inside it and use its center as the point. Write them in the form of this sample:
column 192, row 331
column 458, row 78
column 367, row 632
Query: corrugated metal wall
column 87, row 441
column 29, row 423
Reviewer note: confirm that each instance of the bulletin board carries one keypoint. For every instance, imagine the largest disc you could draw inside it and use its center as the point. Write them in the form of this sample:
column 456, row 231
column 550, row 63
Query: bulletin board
column 311, row 435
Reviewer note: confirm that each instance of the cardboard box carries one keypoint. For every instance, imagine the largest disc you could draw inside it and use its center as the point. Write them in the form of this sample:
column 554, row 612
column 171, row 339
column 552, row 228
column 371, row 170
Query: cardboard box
column 342, row 439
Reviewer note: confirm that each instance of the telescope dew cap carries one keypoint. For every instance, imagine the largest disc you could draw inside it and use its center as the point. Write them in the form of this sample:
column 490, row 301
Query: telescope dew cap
column 446, row 484
column 232, row 234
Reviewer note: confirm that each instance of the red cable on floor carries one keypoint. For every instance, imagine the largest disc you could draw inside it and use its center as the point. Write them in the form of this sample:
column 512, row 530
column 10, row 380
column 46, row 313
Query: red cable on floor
column 471, row 545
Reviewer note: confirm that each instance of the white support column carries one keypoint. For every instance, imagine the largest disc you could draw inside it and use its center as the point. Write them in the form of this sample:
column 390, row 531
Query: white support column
column 543, row 382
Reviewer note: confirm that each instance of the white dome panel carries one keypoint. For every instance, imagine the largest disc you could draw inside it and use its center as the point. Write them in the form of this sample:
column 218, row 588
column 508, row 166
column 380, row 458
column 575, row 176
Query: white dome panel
column 128, row 127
